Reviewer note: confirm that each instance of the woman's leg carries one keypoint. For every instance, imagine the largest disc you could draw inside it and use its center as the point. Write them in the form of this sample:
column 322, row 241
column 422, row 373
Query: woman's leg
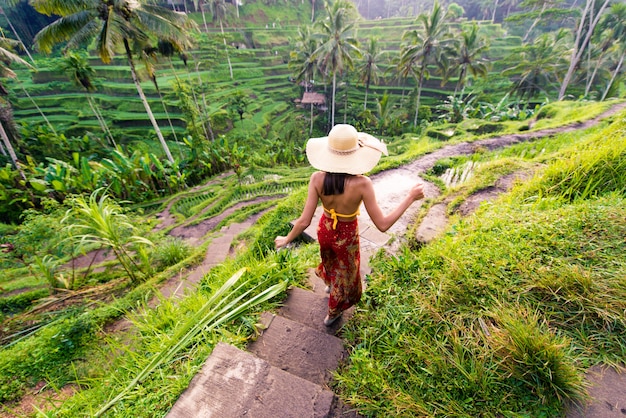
column 340, row 266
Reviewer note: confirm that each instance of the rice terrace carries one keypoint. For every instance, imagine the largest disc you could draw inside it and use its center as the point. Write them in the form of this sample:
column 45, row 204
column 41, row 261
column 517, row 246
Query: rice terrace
column 152, row 150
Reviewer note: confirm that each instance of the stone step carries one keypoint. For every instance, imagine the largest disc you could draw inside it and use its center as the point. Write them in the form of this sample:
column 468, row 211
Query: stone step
column 298, row 349
column 234, row 383
column 309, row 308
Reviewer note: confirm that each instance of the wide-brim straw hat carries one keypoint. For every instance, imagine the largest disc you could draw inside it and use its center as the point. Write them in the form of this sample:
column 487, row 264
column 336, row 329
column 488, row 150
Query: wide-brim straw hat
column 345, row 150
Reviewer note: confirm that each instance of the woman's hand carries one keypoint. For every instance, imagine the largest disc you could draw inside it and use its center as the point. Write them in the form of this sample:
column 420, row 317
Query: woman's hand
column 280, row 242
column 417, row 191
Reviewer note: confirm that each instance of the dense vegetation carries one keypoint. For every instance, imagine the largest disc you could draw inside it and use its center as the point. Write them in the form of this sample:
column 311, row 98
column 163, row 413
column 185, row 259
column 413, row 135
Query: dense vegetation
column 500, row 316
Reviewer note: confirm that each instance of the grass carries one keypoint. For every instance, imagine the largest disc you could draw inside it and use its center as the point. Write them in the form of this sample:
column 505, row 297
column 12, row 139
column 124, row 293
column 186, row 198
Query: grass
column 502, row 315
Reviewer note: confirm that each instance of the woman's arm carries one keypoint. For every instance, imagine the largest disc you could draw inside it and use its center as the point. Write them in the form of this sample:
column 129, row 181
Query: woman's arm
column 305, row 218
column 384, row 222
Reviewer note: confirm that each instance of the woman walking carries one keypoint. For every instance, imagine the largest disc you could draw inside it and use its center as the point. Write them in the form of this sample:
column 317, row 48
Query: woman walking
column 342, row 158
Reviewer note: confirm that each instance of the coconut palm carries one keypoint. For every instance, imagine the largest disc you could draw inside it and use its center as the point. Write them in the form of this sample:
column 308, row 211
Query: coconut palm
column 615, row 20
column 537, row 65
column 11, row 3
column 302, row 59
column 368, row 67
column 470, row 58
column 125, row 24
column 6, row 119
column 77, row 67
column 587, row 23
column 338, row 42
column 423, row 47
column 219, row 12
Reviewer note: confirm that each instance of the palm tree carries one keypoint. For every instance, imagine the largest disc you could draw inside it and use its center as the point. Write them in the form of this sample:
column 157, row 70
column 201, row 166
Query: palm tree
column 303, row 61
column 200, row 4
column 605, row 44
column 422, row 48
column 338, row 42
column 470, row 58
column 541, row 9
column 219, row 12
column 615, row 19
column 6, row 57
column 75, row 65
column 113, row 25
column 586, row 25
column 537, row 65
column 369, row 66
column 11, row 3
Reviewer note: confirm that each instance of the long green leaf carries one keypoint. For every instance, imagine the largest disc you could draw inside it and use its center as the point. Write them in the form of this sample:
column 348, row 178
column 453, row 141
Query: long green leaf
column 206, row 318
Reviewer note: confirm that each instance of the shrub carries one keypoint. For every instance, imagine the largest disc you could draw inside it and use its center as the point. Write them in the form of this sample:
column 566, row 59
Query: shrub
column 18, row 303
column 170, row 252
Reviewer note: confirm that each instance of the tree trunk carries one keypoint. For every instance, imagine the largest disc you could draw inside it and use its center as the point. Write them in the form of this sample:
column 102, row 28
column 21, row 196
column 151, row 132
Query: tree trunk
column 608, row 86
column 37, row 107
column 17, row 36
column 419, row 93
column 332, row 114
column 593, row 74
column 9, row 147
column 537, row 19
column 146, row 105
column 101, row 121
column 579, row 47
column 345, row 105
column 230, row 67
column 206, row 27
column 493, row 15
column 367, row 87
column 206, row 110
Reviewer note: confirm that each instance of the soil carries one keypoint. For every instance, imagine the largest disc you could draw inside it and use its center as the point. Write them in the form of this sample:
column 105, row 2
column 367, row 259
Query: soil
column 391, row 187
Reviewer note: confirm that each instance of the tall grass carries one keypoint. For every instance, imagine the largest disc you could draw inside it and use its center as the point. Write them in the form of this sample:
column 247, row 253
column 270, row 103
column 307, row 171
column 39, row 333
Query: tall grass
column 588, row 170
column 501, row 315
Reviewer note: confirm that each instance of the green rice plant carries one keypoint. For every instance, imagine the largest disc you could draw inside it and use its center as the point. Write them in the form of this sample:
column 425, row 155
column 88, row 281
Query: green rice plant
column 536, row 356
column 101, row 221
column 226, row 304
column 170, row 251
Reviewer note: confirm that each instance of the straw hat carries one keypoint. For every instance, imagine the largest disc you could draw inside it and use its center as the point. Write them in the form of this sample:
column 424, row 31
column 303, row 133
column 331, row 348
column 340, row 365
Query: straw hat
column 345, row 150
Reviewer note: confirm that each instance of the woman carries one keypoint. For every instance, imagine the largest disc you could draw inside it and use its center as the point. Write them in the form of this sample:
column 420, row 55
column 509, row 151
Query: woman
column 342, row 157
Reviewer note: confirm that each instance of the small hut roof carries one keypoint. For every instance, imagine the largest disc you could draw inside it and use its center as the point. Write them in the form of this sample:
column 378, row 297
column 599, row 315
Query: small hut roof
column 313, row 98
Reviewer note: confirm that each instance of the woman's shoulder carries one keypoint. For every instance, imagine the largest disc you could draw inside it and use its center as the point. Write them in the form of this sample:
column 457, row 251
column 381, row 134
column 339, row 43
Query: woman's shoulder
column 318, row 176
column 362, row 179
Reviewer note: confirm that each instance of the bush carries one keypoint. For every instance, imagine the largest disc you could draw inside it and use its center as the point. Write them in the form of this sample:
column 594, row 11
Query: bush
column 18, row 303
column 170, row 252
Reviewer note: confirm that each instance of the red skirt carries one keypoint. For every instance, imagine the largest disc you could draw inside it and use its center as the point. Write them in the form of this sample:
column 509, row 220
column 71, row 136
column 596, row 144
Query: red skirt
column 341, row 263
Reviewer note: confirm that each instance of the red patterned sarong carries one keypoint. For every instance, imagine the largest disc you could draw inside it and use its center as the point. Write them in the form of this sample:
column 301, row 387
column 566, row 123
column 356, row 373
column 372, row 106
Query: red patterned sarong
column 341, row 262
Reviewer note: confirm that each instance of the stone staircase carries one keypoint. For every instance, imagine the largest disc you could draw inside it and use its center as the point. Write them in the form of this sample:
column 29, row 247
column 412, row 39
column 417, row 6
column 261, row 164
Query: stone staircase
column 285, row 372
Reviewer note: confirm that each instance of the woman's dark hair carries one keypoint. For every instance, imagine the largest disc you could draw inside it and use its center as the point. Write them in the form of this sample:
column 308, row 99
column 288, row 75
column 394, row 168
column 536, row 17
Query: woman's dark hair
column 334, row 183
